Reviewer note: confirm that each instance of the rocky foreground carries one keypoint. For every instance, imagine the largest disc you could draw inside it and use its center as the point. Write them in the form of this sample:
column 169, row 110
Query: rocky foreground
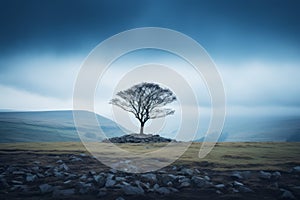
column 31, row 175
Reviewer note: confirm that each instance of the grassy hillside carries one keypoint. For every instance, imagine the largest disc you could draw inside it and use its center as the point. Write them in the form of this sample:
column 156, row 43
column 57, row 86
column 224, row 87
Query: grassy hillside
column 50, row 126
column 225, row 156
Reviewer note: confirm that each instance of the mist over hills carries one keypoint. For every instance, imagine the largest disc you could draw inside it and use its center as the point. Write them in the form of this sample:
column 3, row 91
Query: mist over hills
column 50, row 126
column 58, row 126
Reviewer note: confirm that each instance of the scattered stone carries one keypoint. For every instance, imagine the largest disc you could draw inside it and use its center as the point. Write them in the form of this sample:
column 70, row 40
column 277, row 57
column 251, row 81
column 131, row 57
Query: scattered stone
column 35, row 168
column 110, row 183
column 18, row 173
column 236, row 175
column 198, row 181
column 236, row 183
column 37, row 162
column 287, row 194
column 100, row 180
column 245, row 189
column 220, row 186
column 276, row 175
column 120, row 179
column 59, row 162
column 22, row 188
column 102, row 192
column 31, row 178
column 218, row 192
column 163, row 190
column 296, row 169
column 149, row 177
column 67, row 182
column 265, row 175
column 64, row 167
column 46, row 188
column 138, row 138
column 185, row 184
column 85, row 187
column 17, row 182
column 207, row 178
column 187, row 171
column 132, row 190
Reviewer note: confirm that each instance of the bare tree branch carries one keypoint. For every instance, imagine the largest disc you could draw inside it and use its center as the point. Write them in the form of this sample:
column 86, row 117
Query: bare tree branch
column 145, row 101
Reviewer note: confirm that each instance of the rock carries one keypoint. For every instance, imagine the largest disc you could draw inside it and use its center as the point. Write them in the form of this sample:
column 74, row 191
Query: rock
column 17, row 182
column 58, row 174
column 100, row 180
column 67, row 192
column 169, row 184
column 31, row 178
column 120, row 198
column 166, row 178
column 156, row 186
column 102, row 192
column 37, row 162
column 76, row 159
column 67, row 182
column 46, row 188
column 184, row 179
column 22, row 188
column 92, row 172
column 198, row 181
column 110, row 183
column 18, row 173
column 185, row 184
column 132, row 190
column 149, row 177
column 113, row 171
column 163, row 190
column 83, row 177
column 138, row 138
column 35, row 168
column 207, row 178
column 220, row 186
column 119, row 179
column 83, row 155
column 59, row 161
column 236, row 183
column 218, row 192
column 84, row 188
column 265, row 175
column 236, row 175
column 186, row 171
column 64, row 167
column 296, row 169
column 287, row 194
column 276, row 175
column 245, row 189
column 145, row 185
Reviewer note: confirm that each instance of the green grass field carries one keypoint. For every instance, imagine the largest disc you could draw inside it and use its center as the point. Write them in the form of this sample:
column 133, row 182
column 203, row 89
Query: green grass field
column 225, row 156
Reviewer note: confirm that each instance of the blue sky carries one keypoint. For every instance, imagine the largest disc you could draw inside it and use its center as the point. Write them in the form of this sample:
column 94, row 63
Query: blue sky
column 255, row 45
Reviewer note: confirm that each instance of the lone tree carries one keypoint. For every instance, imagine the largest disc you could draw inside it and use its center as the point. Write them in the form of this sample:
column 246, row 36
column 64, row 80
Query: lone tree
column 145, row 101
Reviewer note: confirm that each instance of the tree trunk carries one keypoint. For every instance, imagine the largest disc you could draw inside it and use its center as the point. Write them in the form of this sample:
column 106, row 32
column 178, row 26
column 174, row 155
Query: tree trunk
column 142, row 128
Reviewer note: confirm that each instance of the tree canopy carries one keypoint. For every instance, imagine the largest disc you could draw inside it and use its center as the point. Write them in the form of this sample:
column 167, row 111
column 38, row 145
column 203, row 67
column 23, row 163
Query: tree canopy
column 146, row 101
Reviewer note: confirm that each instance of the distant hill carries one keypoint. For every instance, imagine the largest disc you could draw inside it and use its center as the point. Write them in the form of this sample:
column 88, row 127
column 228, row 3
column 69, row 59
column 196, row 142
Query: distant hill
column 51, row 126
column 260, row 129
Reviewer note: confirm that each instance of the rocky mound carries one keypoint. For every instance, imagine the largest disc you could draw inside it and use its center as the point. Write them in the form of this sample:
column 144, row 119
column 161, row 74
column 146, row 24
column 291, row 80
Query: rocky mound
column 138, row 138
